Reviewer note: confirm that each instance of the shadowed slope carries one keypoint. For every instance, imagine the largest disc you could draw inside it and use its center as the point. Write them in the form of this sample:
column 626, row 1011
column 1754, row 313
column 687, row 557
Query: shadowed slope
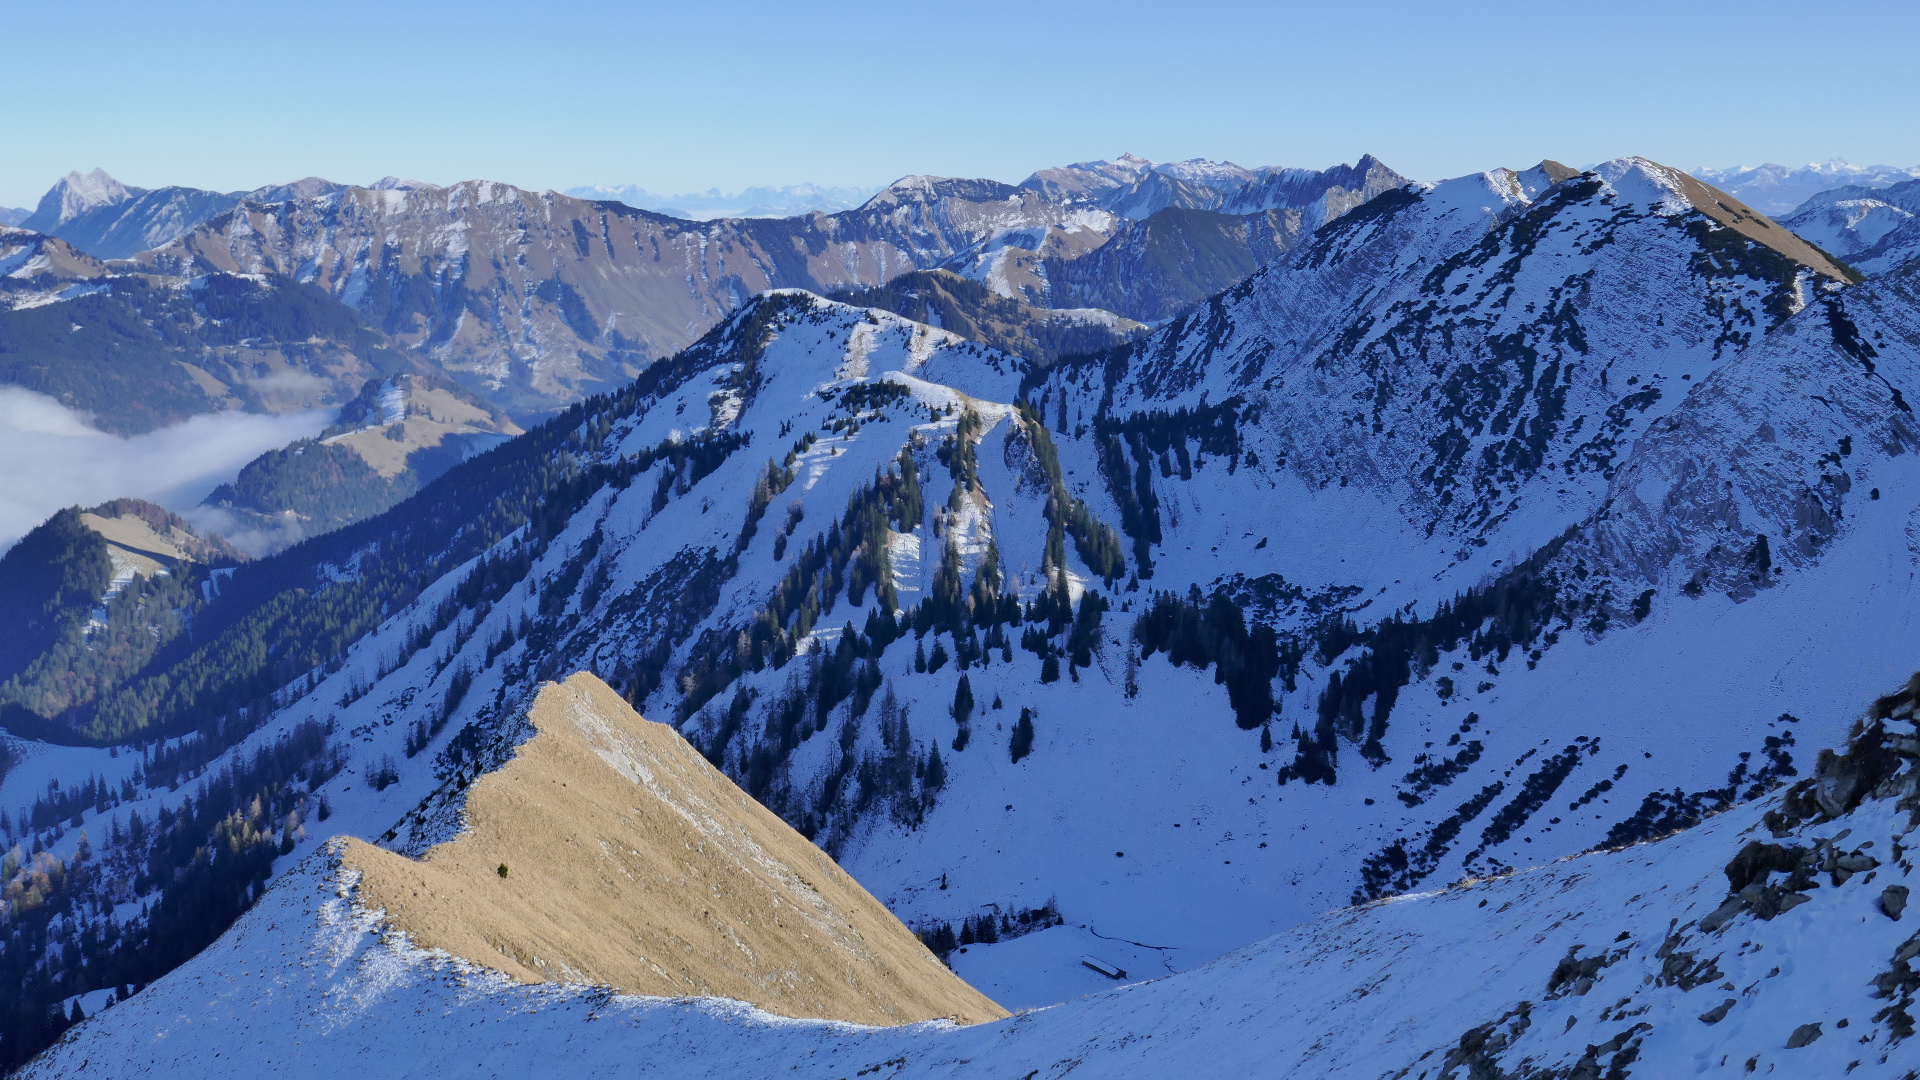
column 630, row 861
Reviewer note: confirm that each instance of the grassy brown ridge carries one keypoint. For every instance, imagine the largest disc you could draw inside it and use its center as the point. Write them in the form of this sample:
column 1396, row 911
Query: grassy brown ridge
column 609, row 851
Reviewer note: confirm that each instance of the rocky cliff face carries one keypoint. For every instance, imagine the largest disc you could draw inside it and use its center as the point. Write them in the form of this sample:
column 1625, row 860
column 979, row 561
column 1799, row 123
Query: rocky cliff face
column 1810, row 425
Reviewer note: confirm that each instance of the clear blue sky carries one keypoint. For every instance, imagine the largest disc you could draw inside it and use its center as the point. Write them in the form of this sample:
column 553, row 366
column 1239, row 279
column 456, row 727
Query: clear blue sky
column 235, row 95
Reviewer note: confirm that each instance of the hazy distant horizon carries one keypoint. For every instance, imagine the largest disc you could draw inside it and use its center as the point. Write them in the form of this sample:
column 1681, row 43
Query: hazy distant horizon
column 683, row 99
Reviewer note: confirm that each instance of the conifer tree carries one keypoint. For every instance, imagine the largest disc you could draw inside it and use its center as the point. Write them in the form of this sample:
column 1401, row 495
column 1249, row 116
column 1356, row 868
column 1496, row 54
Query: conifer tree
column 963, row 701
column 1022, row 743
column 936, row 777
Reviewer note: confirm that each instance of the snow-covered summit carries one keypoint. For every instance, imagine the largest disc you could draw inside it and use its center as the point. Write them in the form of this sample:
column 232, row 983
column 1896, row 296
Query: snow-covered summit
column 400, row 185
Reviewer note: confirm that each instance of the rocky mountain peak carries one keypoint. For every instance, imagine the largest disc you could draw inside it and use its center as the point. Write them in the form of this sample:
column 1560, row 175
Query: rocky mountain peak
column 75, row 194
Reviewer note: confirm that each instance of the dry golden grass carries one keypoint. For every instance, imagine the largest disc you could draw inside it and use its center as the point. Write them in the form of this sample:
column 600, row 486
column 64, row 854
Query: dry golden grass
column 1754, row 225
column 632, row 862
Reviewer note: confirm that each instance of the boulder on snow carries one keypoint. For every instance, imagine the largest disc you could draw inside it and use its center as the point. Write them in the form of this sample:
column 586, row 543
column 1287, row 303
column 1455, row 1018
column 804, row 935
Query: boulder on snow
column 1718, row 1012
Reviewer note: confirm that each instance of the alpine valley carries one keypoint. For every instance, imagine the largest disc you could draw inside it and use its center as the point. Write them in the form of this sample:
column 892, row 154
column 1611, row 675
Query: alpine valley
column 1151, row 620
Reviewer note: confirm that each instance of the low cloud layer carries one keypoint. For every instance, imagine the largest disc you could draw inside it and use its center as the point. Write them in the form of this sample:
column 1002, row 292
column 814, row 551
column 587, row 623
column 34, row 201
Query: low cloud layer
column 51, row 457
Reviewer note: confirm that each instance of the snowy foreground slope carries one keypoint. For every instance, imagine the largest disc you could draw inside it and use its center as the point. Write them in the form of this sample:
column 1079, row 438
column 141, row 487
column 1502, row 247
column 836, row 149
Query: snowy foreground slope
column 1770, row 940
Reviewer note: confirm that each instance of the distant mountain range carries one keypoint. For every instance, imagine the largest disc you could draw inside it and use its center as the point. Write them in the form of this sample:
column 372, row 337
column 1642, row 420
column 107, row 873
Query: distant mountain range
column 1780, row 189
column 532, row 301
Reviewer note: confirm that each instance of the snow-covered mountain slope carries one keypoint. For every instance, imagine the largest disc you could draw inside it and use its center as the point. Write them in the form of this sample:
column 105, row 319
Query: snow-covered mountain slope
column 1769, row 940
column 1778, row 189
column 1472, row 359
column 1421, row 427
column 1874, row 229
column 1108, row 659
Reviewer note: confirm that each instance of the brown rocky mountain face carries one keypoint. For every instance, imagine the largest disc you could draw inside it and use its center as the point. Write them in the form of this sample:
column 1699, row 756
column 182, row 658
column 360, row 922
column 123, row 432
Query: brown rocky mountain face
column 535, row 300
